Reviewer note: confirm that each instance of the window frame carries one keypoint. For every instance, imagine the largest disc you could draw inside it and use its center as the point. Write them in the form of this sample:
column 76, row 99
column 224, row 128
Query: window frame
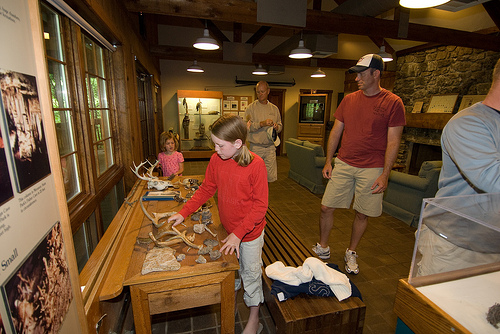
column 94, row 187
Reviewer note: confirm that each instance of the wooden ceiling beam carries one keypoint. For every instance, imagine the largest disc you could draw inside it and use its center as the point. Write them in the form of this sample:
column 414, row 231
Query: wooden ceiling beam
column 237, row 32
column 259, row 35
column 188, row 53
column 245, row 11
column 218, row 35
column 380, row 41
column 493, row 9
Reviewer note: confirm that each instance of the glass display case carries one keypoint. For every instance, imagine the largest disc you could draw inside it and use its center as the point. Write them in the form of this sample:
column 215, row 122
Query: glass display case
column 197, row 111
column 453, row 292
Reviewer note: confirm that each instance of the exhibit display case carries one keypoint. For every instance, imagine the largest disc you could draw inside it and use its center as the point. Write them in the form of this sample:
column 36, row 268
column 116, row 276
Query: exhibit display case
column 454, row 293
column 197, row 111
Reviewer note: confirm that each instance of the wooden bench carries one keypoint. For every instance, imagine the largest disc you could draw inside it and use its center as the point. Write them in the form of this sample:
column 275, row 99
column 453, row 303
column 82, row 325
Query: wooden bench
column 304, row 314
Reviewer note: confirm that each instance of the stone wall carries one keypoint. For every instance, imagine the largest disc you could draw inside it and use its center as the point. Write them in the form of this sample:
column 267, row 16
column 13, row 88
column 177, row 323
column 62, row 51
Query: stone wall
column 440, row 70
column 443, row 70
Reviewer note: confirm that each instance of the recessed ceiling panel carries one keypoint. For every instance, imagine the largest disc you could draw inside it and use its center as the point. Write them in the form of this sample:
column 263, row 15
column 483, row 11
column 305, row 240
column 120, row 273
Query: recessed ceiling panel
column 286, row 12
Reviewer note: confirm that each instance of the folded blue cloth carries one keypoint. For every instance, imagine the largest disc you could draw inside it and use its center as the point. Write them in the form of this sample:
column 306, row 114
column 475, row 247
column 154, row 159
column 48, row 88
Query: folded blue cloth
column 284, row 291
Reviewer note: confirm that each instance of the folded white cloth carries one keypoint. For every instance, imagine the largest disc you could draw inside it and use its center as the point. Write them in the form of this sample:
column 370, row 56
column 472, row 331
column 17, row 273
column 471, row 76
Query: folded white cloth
column 312, row 267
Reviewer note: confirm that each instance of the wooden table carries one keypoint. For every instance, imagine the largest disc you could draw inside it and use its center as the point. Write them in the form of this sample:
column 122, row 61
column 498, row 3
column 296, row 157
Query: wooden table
column 193, row 285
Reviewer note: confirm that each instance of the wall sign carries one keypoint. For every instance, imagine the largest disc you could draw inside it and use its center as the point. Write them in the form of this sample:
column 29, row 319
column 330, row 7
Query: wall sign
column 442, row 103
column 468, row 100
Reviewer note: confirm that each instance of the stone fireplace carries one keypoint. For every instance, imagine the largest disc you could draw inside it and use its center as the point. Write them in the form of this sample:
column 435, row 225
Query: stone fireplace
column 436, row 71
column 418, row 145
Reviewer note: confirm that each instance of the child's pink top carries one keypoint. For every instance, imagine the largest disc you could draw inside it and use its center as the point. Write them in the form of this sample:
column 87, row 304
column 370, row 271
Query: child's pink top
column 170, row 163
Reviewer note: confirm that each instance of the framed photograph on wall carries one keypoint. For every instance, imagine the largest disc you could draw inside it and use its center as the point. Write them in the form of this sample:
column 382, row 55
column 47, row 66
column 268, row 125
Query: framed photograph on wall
column 468, row 100
column 442, row 103
column 40, row 283
column 21, row 110
column 227, row 105
column 417, row 107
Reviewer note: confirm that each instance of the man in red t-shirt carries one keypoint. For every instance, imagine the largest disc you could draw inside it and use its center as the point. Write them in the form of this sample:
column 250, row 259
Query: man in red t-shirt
column 370, row 122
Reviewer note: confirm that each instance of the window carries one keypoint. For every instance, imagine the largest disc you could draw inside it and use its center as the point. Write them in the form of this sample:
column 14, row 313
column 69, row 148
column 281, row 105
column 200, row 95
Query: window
column 111, row 204
column 97, row 97
column 61, row 106
column 80, row 84
column 85, row 240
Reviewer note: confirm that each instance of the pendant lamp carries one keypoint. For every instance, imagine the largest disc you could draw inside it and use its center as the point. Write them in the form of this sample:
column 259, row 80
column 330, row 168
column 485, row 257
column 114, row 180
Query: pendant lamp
column 206, row 42
column 386, row 57
column 195, row 68
column 301, row 52
column 421, row 3
column 259, row 70
column 318, row 74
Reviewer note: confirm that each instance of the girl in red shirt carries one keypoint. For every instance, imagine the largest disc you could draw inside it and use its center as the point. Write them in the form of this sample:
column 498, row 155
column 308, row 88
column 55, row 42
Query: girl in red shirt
column 240, row 178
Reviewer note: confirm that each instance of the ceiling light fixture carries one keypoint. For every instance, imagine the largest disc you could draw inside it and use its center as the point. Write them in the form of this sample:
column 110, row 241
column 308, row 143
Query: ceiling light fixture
column 301, row 52
column 195, row 68
column 386, row 57
column 421, row 3
column 259, row 70
column 318, row 74
column 206, row 42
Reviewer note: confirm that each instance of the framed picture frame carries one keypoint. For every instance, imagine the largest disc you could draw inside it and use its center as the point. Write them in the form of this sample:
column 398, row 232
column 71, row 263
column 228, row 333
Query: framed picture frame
column 42, row 280
column 417, row 107
column 468, row 100
column 442, row 103
column 227, row 105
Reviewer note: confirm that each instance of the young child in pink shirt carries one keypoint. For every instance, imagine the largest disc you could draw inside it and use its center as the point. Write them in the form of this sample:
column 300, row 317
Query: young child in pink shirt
column 171, row 160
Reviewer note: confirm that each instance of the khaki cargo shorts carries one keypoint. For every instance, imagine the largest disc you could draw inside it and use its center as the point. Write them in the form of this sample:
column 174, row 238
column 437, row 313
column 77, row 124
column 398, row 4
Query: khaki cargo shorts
column 348, row 181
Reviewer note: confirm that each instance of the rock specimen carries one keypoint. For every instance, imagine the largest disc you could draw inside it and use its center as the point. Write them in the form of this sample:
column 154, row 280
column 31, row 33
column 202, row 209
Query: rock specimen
column 160, row 259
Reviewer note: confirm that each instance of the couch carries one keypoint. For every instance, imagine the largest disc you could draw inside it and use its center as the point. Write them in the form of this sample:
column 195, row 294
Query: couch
column 404, row 194
column 306, row 164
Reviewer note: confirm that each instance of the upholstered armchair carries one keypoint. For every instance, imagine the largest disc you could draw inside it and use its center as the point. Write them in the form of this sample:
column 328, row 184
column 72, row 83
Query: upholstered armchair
column 404, row 194
column 306, row 164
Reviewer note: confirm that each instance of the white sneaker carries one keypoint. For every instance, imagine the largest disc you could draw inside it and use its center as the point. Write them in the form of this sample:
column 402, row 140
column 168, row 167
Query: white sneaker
column 351, row 265
column 323, row 253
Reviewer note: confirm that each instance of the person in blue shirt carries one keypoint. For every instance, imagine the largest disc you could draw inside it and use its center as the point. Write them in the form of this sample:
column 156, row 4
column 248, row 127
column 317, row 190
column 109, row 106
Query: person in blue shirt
column 471, row 165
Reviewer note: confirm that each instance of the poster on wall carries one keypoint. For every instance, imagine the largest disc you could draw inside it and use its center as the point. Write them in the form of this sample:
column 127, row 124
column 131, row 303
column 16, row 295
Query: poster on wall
column 37, row 295
column 38, row 292
column 22, row 114
column 6, row 191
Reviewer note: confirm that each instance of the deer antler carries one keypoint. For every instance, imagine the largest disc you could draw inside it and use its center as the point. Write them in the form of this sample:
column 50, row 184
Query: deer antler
column 151, row 169
column 157, row 216
column 172, row 241
column 136, row 172
column 186, row 240
column 145, row 211
column 153, row 181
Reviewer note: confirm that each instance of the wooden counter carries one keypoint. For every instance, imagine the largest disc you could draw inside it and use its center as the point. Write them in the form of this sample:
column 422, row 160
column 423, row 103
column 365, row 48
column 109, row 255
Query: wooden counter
column 466, row 290
column 428, row 120
column 167, row 291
